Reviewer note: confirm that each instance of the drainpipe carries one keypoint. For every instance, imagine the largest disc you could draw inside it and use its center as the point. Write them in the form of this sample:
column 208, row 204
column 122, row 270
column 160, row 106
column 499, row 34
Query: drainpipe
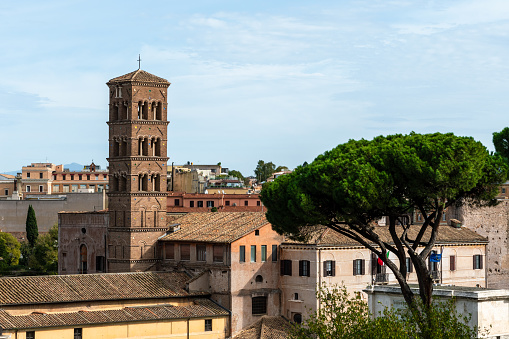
column 319, row 275
column 188, row 328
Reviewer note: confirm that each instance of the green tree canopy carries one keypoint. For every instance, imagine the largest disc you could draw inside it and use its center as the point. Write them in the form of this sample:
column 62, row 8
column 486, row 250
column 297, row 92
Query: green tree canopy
column 501, row 143
column 44, row 257
column 352, row 186
column 10, row 252
column 264, row 170
column 31, row 226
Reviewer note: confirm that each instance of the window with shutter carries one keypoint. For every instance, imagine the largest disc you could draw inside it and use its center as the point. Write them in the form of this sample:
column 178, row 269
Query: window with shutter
column 452, row 263
column 329, row 268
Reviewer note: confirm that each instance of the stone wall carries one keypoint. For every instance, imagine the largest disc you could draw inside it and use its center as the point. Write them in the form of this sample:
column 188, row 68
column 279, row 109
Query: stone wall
column 13, row 213
column 493, row 223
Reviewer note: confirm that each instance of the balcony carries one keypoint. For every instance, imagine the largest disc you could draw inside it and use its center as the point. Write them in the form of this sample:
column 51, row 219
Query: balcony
column 381, row 278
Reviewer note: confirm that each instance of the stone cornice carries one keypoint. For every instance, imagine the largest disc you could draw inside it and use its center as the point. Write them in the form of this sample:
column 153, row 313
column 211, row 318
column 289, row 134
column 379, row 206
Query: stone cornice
column 137, row 158
column 138, row 229
column 137, row 194
column 138, row 122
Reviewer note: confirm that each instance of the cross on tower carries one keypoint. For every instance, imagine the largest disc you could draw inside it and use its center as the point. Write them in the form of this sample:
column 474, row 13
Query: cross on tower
column 139, row 61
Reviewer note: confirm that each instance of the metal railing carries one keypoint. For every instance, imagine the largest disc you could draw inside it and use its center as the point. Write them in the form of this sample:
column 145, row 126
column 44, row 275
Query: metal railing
column 381, row 278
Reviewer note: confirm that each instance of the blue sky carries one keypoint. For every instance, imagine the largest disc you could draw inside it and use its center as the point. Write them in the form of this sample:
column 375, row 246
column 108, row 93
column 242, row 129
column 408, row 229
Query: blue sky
column 281, row 81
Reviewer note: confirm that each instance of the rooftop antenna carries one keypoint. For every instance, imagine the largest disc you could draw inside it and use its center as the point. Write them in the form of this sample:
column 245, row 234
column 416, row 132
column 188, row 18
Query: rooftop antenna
column 139, row 61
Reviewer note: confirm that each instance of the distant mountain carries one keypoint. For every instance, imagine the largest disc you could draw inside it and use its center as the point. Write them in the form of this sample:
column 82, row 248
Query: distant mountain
column 74, row 167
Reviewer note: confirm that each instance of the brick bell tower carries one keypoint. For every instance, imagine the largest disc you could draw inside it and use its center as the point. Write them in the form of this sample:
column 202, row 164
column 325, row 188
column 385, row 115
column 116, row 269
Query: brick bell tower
column 137, row 170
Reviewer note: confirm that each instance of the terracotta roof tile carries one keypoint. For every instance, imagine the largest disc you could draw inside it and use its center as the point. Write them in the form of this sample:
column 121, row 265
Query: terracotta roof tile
column 268, row 327
column 199, row 308
column 223, row 227
column 321, row 235
column 138, row 76
column 106, row 286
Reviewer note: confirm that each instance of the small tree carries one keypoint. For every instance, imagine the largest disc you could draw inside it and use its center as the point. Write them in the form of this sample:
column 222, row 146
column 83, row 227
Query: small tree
column 31, row 226
column 44, row 257
column 342, row 316
column 12, row 249
column 264, row 170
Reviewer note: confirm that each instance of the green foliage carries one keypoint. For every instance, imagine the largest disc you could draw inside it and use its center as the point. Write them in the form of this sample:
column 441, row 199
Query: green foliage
column 501, row 142
column 9, row 249
column 31, row 226
column 341, row 316
column 43, row 258
column 264, row 170
column 281, row 169
column 213, row 209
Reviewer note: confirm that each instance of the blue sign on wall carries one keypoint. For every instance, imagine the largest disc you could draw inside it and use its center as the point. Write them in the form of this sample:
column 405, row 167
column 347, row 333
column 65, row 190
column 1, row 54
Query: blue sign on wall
column 435, row 257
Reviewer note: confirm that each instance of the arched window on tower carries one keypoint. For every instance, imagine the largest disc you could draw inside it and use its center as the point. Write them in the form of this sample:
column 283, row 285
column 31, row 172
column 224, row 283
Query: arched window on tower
column 145, row 111
column 83, row 259
column 145, row 183
column 158, row 183
column 154, row 110
column 158, row 147
column 140, row 182
column 159, row 112
column 123, row 115
column 116, row 148
column 140, row 108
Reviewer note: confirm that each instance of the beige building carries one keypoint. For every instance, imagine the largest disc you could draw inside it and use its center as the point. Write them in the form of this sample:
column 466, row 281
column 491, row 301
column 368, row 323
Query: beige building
column 104, row 306
column 7, row 186
column 234, row 256
column 331, row 258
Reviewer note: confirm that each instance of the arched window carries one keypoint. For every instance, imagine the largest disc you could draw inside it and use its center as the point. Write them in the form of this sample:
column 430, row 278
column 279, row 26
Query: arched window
column 159, row 111
column 145, row 110
column 83, row 259
column 158, row 183
column 154, row 110
column 259, row 278
column 140, row 108
column 297, row 318
column 158, row 147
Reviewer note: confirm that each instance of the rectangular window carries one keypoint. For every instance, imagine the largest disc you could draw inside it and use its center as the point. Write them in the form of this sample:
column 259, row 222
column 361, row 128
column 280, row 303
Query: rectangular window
column 6, row 191
column 66, row 189
column 56, row 188
column 74, row 188
column 210, row 203
column 503, row 190
column 409, row 266
column 274, row 253
column 177, row 202
column 185, row 252
column 444, row 217
column 258, row 203
column 41, row 188
column 208, row 324
column 304, row 268
column 92, row 187
column 63, row 176
column 200, row 203
column 100, row 188
column 54, row 177
column 99, row 263
column 30, row 335
column 253, row 253
column 358, row 267
column 97, row 177
column 83, row 186
column 169, row 251
column 452, row 263
column 264, row 253
column 242, row 253
column 227, row 203
column 201, row 253
column 245, row 202
column 72, row 176
column 286, row 267
column 80, row 176
column 191, row 203
column 88, row 176
column 28, row 188
column 477, row 262
column 218, row 253
column 78, row 333
column 40, row 175
column 259, row 305
column 28, row 174
column 329, row 268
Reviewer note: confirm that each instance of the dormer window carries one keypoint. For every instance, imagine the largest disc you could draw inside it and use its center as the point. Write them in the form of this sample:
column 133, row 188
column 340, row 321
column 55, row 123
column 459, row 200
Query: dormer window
column 118, row 92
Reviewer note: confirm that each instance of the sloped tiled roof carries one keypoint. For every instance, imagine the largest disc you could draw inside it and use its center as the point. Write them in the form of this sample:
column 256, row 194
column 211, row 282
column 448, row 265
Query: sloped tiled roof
column 88, row 287
column 198, row 309
column 224, row 227
column 7, row 176
column 139, row 76
column 266, row 328
column 321, row 235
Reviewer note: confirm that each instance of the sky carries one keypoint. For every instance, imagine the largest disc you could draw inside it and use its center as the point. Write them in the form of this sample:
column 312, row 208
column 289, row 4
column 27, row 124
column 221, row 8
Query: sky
column 279, row 81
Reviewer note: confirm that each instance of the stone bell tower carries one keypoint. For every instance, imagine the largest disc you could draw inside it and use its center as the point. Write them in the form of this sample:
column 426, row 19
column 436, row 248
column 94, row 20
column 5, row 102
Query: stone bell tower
column 137, row 170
